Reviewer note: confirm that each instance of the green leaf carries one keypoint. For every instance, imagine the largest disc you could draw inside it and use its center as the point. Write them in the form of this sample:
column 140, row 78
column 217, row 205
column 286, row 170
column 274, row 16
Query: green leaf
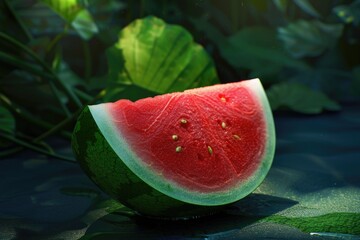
column 299, row 98
column 309, row 38
column 84, row 24
column 349, row 13
column 306, row 6
column 258, row 49
column 74, row 12
column 7, row 121
column 158, row 58
column 324, row 223
column 67, row 9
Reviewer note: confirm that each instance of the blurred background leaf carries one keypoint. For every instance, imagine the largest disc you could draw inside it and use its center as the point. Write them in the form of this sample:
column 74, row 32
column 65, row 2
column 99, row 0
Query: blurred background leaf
column 74, row 13
column 299, row 98
column 67, row 9
column 257, row 49
column 349, row 14
column 309, row 38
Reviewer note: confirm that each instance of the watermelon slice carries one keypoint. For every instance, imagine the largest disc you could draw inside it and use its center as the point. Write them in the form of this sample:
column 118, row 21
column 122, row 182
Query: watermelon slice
column 179, row 154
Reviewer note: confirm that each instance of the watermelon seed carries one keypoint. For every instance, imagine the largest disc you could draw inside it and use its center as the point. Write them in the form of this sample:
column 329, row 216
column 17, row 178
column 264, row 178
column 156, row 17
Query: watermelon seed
column 183, row 121
column 223, row 125
column 210, row 150
column 236, row 137
column 178, row 149
column 222, row 97
column 175, row 137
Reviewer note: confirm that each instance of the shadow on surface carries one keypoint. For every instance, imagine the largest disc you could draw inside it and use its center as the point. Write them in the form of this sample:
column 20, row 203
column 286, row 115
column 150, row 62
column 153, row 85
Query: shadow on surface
column 233, row 218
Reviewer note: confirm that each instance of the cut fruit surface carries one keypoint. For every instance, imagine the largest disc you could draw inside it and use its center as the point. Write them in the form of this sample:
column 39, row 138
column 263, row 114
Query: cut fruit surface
column 208, row 146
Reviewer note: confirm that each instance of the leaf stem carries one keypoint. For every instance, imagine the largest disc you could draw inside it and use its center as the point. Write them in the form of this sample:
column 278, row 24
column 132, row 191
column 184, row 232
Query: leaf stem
column 87, row 61
column 15, row 61
column 55, row 41
column 10, row 151
column 28, row 116
column 66, row 121
column 35, row 148
column 83, row 95
column 22, row 26
column 57, row 127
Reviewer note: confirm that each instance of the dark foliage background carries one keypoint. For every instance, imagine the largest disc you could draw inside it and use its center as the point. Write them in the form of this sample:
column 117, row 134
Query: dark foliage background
column 54, row 58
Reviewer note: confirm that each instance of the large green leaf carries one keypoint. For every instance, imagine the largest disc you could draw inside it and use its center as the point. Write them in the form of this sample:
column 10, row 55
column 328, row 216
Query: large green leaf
column 309, row 38
column 157, row 58
column 258, row 49
column 299, row 98
column 74, row 12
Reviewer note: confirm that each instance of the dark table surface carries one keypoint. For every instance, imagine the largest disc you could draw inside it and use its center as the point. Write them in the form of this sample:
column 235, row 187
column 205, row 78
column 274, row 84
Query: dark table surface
column 311, row 192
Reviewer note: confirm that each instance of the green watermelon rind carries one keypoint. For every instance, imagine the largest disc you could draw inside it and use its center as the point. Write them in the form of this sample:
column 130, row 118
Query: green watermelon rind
column 173, row 190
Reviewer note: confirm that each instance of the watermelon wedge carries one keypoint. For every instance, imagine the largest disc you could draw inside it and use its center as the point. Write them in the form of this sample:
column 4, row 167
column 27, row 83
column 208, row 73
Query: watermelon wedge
column 180, row 154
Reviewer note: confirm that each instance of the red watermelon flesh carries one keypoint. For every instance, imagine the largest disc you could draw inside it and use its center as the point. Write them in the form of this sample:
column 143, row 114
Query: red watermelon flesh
column 206, row 146
column 202, row 140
